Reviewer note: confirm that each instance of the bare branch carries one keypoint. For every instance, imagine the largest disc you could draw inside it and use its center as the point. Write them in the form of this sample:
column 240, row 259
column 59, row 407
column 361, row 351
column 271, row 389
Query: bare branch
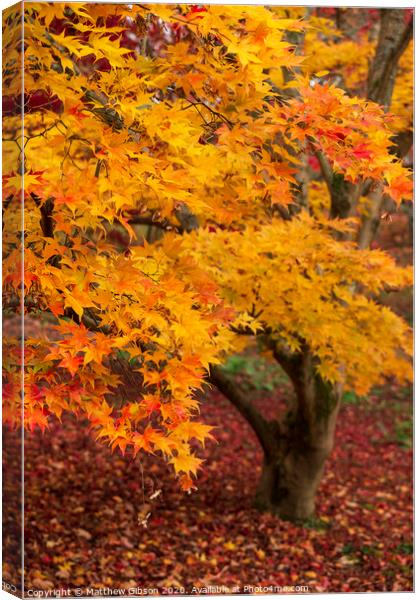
column 164, row 224
column 234, row 394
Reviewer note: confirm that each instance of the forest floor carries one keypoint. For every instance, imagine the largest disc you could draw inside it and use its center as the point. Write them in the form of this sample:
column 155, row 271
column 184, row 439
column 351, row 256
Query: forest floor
column 84, row 507
column 86, row 523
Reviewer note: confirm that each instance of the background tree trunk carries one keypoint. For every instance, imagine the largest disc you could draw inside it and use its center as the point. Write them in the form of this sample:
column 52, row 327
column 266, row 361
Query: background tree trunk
column 395, row 35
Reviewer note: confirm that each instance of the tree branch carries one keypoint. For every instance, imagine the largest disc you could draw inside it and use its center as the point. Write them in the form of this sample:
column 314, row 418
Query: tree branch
column 233, row 393
column 326, row 170
column 290, row 362
column 164, row 224
column 46, row 209
column 214, row 112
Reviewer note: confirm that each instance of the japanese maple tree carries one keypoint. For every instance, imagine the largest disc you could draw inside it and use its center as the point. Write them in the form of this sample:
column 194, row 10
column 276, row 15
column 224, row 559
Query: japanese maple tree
column 160, row 165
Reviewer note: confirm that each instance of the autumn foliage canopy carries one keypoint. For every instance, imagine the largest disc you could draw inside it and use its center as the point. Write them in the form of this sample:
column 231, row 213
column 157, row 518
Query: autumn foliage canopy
column 165, row 217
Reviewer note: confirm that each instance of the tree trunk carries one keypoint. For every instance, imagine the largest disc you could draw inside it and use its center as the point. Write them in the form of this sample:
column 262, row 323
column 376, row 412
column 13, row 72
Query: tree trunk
column 292, row 472
column 294, row 465
column 289, row 482
column 296, row 448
